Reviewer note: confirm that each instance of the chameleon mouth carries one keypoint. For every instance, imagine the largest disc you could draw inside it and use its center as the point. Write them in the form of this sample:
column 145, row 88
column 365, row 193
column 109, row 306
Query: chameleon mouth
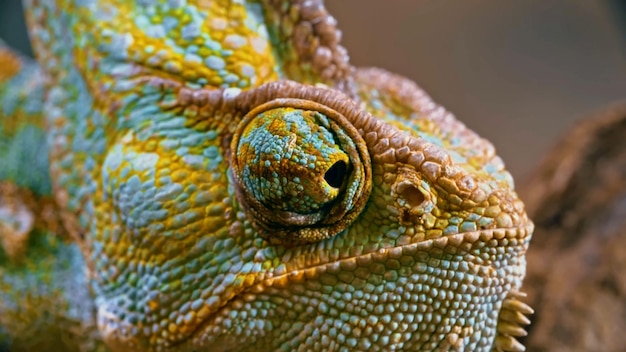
column 514, row 239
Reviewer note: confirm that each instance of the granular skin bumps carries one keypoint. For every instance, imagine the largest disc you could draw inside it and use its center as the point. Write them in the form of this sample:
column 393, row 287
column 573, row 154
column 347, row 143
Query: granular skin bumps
column 223, row 179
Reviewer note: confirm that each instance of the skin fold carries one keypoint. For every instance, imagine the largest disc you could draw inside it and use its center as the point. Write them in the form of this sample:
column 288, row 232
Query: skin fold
column 218, row 177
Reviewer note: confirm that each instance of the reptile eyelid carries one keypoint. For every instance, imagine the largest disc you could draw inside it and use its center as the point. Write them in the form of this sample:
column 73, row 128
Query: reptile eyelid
column 293, row 217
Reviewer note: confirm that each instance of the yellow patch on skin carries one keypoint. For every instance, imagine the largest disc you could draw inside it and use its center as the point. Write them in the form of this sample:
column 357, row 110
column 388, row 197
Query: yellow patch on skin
column 9, row 65
column 153, row 305
column 184, row 54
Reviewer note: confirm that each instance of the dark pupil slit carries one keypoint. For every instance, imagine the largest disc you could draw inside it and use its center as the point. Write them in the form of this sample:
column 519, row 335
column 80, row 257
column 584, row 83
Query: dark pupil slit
column 335, row 175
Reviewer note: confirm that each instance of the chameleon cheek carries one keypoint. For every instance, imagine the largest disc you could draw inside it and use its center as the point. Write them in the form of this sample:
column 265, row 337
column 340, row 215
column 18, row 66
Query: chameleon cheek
column 302, row 171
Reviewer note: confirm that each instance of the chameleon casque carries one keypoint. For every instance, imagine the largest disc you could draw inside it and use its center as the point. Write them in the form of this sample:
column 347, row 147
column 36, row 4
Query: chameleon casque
column 214, row 176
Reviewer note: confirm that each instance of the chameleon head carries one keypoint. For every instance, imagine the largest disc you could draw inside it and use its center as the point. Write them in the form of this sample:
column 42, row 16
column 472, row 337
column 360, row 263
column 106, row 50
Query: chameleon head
column 324, row 224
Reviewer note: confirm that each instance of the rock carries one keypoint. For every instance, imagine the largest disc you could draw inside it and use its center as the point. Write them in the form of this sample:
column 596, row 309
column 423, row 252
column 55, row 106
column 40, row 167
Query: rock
column 576, row 278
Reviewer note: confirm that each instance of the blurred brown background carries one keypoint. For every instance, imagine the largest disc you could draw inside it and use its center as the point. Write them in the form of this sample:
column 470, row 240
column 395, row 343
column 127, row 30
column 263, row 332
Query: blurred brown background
column 518, row 72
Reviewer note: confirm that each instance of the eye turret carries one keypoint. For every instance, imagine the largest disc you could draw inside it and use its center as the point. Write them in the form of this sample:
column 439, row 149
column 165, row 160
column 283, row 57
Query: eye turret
column 302, row 170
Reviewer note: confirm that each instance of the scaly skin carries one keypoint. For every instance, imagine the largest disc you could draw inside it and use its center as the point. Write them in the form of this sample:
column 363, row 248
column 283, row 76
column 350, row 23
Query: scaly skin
column 232, row 183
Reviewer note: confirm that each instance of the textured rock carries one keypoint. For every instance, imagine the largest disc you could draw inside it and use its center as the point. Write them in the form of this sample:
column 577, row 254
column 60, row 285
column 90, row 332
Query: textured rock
column 577, row 198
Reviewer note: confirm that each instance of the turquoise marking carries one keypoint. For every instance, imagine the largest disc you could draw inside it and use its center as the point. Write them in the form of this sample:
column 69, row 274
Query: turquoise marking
column 468, row 226
column 255, row 19
column 485, row 222
column 28, row 142
column 451, row 230
column 286, row 154
column 215, row 62
column 190, row 32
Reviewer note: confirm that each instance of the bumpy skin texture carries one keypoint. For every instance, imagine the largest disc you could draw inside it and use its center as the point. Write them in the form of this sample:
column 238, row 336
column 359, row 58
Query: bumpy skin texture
column 234, row 184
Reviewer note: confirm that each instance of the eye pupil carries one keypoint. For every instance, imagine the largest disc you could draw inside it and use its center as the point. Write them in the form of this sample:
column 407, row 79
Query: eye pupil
column 335, row 175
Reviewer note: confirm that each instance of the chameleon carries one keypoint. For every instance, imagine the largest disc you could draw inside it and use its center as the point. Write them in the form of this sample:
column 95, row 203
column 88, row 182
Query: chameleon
column 193, row 175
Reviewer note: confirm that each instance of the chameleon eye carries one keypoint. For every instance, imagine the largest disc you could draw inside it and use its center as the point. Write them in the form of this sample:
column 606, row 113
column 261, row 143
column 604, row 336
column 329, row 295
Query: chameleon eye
column 301, row 169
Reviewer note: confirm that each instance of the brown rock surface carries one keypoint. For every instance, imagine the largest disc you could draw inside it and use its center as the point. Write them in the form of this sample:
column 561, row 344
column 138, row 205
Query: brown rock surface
column 576, row 277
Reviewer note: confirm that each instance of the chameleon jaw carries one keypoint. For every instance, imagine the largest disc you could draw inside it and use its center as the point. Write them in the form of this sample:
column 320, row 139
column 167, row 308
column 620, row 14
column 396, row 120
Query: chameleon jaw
column 221, row 329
